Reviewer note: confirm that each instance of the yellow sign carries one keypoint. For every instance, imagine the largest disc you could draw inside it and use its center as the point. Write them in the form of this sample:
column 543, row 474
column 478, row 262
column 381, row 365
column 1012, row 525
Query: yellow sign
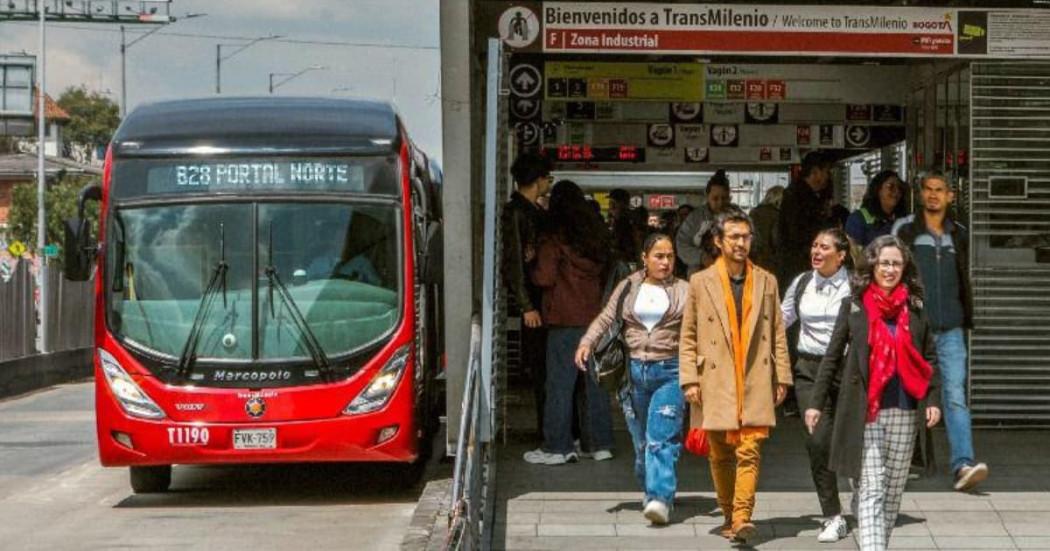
column 602, row 81
column 17, row 249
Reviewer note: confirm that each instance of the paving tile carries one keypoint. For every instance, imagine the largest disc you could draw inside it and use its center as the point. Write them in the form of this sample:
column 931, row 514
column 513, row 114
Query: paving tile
column 520, row 518
column 576, row 530
column 912, row 542
column 672, row 530
column 585, row 506
column 968, row 529
column 523, row 506
column 1026, row 504
column 557, row 517
column 957, row 502
column 1017, row 529
column 959, row 542
column 910, row 528
column 803, row 544
column 1032, row 542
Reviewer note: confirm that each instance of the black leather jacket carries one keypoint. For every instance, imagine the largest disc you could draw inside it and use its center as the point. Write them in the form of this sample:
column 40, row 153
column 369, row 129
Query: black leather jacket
column 520, row 225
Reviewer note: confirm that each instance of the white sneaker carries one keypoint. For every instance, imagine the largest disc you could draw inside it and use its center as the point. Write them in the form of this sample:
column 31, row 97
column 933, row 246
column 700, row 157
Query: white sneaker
column 602, row 455
column 970, row 476
column 540, row 457
column 656, row 511
column 834, row 530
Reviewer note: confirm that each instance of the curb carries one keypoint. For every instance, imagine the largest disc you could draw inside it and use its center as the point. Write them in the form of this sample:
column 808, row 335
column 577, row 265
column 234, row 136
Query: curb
column 43, row 370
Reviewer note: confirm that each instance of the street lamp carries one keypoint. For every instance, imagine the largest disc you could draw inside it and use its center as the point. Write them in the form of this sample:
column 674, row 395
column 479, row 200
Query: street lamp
column 219, row 58
column 124, row 45
column 290, row 76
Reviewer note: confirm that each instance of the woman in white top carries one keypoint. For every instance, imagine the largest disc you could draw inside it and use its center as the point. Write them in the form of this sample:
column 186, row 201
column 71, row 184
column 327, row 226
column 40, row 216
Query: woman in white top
column 814, row 300
column 653, row 404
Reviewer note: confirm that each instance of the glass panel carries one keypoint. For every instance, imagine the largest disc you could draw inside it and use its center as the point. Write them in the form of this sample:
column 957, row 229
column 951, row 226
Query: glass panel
column 339, row 264
column 19, row 76
column 161, row 260
column 18, row 100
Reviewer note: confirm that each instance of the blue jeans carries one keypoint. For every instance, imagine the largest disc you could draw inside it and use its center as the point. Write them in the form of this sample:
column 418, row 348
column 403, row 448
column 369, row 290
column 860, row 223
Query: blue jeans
column 654, row 407
column 595, row 415
column 951, row 358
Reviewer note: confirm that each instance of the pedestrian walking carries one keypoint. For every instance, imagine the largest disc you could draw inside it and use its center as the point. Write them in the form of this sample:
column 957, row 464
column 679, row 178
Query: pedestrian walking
column 653, row 405
column 766, row 216
column 734, row 367
column 882, row 206
column 692, row 242
column 941, row 248
column 889, row 389
column 571, row 262
column 521, row 221
column 804, row 211
column 813, row 300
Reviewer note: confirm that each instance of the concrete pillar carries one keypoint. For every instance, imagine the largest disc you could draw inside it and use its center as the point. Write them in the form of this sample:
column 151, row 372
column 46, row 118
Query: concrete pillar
column 458, row 144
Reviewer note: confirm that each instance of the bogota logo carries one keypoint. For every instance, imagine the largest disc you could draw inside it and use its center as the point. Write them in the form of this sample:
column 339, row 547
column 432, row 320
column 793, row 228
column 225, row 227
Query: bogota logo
column 255, row 407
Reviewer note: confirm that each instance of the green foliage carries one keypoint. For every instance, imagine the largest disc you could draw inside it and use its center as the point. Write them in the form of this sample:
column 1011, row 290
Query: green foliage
column 93, row 117
column 60, row 200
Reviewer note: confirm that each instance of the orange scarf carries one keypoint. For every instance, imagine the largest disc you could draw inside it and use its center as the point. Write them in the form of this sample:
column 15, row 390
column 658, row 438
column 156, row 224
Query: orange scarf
column 741, row 340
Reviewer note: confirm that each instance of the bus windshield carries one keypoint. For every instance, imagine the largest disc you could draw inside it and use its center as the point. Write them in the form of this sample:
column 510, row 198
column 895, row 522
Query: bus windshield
column 338, row 260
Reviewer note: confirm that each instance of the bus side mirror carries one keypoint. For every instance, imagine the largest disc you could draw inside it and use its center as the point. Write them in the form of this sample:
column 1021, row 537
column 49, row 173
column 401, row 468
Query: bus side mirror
column 78, row 245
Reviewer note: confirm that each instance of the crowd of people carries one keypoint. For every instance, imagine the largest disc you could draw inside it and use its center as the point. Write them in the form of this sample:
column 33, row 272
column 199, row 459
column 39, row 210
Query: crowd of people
column 876, row 301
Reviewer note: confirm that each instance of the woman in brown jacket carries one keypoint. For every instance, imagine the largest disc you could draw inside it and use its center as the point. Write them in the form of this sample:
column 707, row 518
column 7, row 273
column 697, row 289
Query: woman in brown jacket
column 653, row 405
column 570, row 264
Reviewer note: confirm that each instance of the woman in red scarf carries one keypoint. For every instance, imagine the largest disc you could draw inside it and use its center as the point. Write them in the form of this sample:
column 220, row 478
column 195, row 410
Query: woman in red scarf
column 889, row 385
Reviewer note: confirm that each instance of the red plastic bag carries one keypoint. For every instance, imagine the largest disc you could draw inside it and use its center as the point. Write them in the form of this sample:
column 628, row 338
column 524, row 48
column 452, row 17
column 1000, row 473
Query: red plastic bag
column 696, row 442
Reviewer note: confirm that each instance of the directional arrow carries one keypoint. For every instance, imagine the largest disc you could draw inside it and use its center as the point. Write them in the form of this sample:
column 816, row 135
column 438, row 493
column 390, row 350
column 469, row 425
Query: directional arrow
column 525, row 108
column 857, row 135
column 525, row 80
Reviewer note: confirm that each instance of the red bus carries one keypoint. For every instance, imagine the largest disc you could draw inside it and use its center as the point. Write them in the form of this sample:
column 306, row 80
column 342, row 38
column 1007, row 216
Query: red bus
column 268, row 286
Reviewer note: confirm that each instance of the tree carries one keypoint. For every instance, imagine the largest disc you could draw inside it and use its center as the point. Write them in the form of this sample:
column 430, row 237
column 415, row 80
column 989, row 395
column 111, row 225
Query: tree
column 60, row 200
column 93, row 118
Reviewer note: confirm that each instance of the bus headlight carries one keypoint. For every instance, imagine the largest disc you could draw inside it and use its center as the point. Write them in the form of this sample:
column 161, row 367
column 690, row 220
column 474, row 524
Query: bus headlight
column 382, row 386
column 129, row 395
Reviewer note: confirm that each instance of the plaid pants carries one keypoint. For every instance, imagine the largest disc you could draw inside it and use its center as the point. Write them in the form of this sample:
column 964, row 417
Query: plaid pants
column 888, row 446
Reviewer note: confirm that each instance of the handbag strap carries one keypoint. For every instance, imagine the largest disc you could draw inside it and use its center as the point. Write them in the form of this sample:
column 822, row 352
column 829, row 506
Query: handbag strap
column 620, row 301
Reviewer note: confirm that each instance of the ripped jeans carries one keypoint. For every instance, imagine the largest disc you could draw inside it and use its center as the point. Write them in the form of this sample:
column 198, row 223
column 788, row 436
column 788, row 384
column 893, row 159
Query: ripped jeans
column 654, row 406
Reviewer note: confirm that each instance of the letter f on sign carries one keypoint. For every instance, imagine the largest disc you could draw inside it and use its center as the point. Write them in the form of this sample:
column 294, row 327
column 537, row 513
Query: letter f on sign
column 552, row 38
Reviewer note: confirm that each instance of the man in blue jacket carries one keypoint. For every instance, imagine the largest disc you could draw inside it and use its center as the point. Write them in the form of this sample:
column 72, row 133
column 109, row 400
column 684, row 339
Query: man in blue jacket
column 941, row 247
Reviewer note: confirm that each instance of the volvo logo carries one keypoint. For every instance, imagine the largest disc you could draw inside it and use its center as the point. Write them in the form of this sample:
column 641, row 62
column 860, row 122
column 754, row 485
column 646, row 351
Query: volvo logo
column 255, row 407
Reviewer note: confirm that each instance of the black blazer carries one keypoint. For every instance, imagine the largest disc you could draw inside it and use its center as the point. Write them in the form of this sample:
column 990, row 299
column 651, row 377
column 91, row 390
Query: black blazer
column 847, row 436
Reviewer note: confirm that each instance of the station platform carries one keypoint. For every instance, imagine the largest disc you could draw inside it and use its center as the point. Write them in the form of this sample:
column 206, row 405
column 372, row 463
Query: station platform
column 597, row 505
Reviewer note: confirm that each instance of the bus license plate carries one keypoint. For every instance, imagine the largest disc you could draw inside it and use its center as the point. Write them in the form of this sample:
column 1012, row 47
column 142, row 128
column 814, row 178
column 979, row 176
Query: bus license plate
column 254, row 439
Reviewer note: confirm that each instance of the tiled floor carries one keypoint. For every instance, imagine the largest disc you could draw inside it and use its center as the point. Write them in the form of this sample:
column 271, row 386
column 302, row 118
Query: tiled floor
column 596, row 505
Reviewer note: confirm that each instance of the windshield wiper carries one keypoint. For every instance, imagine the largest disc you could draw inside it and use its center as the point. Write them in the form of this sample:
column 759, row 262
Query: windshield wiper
column 218, row 277
column 309, row 339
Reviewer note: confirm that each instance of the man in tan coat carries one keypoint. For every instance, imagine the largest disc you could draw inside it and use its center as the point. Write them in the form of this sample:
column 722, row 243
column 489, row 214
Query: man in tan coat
column 734, row 367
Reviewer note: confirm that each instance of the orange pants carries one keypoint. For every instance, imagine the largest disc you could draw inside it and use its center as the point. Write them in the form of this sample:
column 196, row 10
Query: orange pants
column 734, row 470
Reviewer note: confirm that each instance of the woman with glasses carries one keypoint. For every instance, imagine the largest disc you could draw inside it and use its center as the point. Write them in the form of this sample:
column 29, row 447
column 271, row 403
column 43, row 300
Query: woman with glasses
column 889, row 388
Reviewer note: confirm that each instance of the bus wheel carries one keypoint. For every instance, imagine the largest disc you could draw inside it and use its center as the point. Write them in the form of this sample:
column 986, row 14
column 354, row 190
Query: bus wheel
column 150, row 480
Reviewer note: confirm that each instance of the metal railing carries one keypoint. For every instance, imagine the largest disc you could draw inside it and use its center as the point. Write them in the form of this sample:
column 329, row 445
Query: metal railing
column 468, row 477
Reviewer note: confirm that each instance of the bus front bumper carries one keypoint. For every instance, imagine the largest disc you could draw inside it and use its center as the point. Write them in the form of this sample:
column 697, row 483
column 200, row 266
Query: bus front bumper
column 375, row 437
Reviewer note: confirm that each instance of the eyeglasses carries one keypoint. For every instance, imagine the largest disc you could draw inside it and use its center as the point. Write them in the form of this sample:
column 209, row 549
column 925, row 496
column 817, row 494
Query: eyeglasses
column 739, row 237
column 890, row 264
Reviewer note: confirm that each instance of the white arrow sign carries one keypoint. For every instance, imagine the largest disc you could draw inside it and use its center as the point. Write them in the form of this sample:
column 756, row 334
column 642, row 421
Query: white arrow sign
column 857, row 136
column 525, row 80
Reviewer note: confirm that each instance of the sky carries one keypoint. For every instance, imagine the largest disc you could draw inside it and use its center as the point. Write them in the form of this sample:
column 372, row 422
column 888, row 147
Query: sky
column 164, row 66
